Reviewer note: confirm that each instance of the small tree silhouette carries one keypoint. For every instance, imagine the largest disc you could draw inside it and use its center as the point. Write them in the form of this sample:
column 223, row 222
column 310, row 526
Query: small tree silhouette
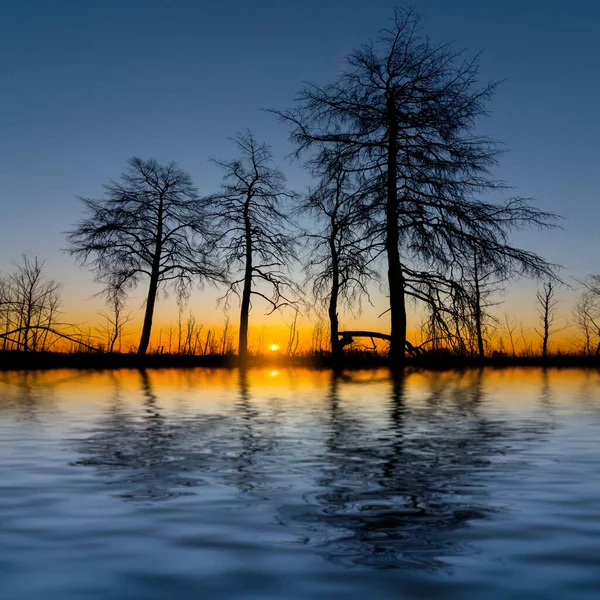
column 29, row 306
column 151, row 225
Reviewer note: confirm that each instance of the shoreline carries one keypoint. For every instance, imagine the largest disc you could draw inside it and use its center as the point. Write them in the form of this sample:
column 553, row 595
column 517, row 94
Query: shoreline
column 33, row 361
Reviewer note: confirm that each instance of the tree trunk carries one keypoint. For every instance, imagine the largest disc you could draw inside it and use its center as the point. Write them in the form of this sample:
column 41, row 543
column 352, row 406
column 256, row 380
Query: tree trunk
column 148, row 315
column 246, row 291
column 153, row 286
column 546, row 326
column 336, row 347
column 114, row 339
column 395, row 276
column 478, row 328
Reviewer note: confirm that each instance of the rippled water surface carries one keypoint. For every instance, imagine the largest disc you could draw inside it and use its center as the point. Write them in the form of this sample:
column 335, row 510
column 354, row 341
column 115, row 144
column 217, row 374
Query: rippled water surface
column 164, row 484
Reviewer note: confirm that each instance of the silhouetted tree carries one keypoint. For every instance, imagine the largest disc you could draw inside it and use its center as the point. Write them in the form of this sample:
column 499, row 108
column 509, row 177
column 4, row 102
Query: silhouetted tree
column 479, row 281
column 478, row 311
column 586, row 315
column 151, row 225
column 402, row 114
column 339, row 259
column 29, row 306
column 461, row 296
column 489, row 265
column 115, row 318
column 510, row 325
column 251, row 218
column 547, row 304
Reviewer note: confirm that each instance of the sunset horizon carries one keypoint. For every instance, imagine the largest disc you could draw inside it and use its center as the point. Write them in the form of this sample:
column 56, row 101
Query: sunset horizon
column 299, row 300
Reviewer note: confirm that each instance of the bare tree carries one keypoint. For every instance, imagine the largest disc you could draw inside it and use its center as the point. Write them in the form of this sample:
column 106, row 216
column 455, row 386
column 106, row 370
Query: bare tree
column 586, row 315
column 509, row 324
column 251, row 217
column 403, row 115
column 226, row 339
column 547, row 304
column 293, row 337
column 115, row 319
column 527, row 344
column 151, row 225
column 30, row 307
column 5, row 312
column 318, row 334
column 479, row 280
column 338, row 263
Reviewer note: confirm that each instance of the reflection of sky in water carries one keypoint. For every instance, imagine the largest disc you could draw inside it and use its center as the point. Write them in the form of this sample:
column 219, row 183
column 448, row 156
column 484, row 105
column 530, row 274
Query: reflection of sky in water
column 479, row 478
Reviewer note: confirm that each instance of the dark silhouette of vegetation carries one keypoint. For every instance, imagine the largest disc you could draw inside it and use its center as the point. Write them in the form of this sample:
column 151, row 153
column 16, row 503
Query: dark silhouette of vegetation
column 478, row 309
column 115, row 319
column 339, row 258
column 547, row 304
column 152, row 225
column 403, row 115
column 29, row 307
column 586, row 315
column 250, row 215
column 399, row 176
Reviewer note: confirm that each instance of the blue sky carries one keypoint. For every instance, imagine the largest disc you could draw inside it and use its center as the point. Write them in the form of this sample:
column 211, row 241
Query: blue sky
column 87, row 84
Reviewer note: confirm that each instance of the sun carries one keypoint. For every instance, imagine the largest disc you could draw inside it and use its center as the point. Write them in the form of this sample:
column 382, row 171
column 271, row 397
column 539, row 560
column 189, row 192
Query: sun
column 273, row 347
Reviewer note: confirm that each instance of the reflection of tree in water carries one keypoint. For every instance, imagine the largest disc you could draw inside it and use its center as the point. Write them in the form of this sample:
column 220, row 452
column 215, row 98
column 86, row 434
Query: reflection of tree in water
column 251, row 441
column 388, row 493
column 546, row 395
column 28, row 393
column 587, row 393
column 391, row 497
column 149, row 456
column 156, row 456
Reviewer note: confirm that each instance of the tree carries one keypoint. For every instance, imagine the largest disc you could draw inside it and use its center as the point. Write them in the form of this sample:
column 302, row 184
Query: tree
column 151, row 225
column 510, row 325
column 29, row 306
column 256, row 244
column 339, row 258
column 586, row 315
column 479, row 292
column 547, row 304
column 115, row 319
column 403, row 115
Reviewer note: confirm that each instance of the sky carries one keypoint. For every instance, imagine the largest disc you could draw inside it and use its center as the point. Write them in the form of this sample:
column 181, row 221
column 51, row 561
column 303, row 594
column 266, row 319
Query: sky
column 86, row 85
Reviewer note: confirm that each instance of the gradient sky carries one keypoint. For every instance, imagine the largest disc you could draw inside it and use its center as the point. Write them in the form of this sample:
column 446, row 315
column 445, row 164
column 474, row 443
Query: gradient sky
column 87, row 84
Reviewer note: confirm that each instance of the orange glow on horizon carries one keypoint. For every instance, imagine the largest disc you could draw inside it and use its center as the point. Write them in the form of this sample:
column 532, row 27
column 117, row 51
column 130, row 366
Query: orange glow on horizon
column 272, row 340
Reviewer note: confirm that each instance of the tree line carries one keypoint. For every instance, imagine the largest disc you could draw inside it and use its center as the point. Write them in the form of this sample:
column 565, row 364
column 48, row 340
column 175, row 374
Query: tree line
column 399, row 176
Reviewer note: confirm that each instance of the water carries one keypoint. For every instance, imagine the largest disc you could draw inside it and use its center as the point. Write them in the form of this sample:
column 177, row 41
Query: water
column 292, row 484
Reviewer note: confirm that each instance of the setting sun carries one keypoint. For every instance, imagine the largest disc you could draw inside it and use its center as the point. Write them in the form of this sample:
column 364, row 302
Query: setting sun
column 273, row 347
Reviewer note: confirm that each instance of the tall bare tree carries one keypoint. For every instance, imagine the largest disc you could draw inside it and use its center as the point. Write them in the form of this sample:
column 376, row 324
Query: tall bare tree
column 250, row 212
column 151, row 225
column 547, row 304
column 403, row 115
column 339, row 261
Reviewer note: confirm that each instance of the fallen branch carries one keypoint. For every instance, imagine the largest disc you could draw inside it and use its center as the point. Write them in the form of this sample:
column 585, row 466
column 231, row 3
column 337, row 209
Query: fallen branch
column 347, row 337
column 48, row 329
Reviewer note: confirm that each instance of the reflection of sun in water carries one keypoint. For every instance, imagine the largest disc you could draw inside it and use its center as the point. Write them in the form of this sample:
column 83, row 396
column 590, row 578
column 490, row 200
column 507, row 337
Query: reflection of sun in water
column 273, row 347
